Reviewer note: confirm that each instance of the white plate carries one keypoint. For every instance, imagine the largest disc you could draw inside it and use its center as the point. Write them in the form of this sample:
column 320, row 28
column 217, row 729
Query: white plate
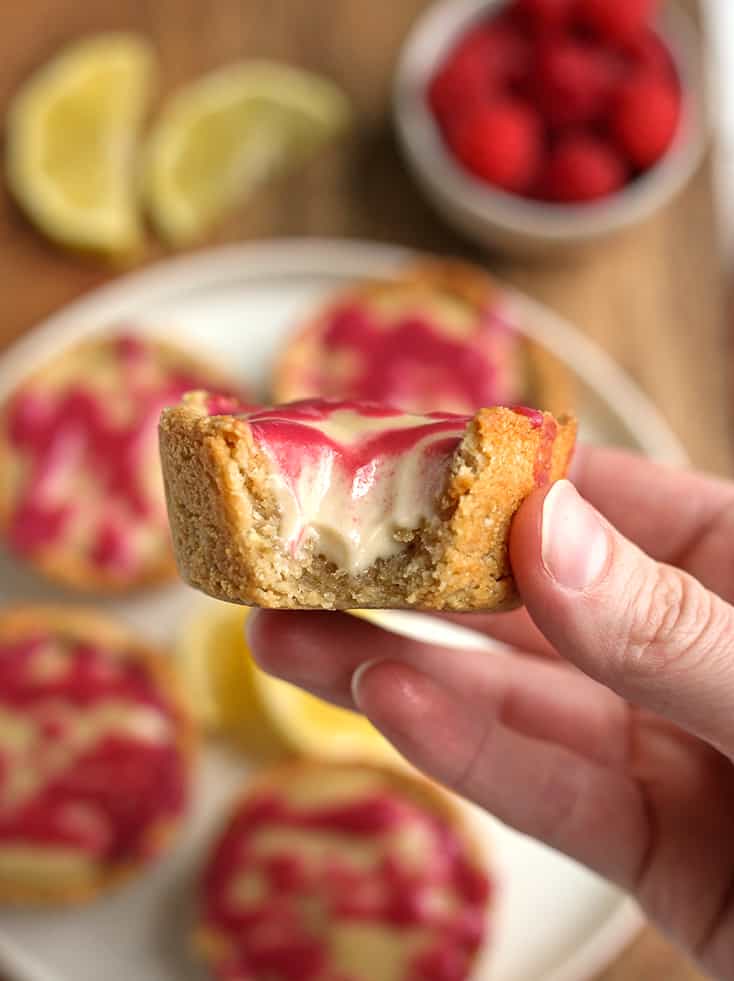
column 555, row 922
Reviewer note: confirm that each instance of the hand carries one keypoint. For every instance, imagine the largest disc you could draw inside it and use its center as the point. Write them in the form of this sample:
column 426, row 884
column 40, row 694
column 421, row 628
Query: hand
column 610, row 733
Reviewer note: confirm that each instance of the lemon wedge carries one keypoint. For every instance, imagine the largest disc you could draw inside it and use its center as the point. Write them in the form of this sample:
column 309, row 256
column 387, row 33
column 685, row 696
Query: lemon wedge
column 267, row 717
column 217, row 670
column 72, row 132
column 312, row 727
column 221, row 136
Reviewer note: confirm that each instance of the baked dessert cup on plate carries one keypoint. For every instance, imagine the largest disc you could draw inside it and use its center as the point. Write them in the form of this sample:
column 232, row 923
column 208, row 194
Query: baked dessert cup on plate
column 343, row 871
column 341, row 505
column 81, row 498
column 96, row 747
column 440, row 336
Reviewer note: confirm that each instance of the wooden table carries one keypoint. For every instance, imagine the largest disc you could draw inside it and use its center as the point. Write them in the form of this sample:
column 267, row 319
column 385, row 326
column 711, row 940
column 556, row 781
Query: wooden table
column 654, row 299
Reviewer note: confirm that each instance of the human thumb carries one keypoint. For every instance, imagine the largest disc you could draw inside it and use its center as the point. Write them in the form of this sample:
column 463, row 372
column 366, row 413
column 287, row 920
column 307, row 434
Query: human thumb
column 647, row 630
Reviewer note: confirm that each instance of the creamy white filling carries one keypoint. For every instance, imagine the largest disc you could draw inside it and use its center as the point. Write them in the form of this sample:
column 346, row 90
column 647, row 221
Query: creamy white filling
column 351, row 518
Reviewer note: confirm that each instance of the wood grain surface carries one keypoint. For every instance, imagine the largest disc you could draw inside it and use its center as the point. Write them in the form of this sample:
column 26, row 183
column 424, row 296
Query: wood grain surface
column 654, row 299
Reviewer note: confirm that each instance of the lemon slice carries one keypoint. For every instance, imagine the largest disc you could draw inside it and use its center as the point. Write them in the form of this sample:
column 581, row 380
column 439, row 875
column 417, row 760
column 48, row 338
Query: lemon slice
column 268, row 717
column 214, row 631
column 223, row 135
column 217, row 670
column 316, row 728
column 72, row 131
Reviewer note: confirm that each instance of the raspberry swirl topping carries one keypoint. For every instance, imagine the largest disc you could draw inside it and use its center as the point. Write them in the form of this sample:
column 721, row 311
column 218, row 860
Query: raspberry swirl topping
column 89, row 761
column 414, row 354
column 86, row 474
column 363, row 885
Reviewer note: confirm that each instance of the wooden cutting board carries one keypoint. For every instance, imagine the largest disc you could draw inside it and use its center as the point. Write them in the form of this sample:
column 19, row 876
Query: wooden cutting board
column 654, row 299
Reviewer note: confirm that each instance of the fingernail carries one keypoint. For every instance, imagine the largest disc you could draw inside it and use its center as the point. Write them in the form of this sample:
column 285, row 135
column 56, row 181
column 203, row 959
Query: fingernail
column 575, row 544
column 359, row 675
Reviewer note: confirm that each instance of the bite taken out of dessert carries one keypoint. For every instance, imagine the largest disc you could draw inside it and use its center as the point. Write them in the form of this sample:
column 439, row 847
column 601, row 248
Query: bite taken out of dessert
column 81, row 499
column 324, row 504
column 344, row 871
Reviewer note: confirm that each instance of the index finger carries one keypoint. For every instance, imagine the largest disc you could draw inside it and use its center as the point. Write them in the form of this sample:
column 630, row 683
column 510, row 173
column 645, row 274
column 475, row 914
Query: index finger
column 677, row 516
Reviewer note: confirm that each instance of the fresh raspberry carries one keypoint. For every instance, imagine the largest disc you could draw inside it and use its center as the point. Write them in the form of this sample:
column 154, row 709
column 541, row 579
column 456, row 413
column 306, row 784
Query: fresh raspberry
column 645, row 118
column 501, row 143
column 648, row 53
column 617, row 21
column 545, row 15
column 487, row 60
column 582, row 168
column 573, row 82
column 510, row 51
column 463, row 78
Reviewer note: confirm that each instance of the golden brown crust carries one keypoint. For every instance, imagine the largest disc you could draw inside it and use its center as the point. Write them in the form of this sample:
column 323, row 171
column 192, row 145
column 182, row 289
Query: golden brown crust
column 465, row 282
column 545, row 382
column 426, row 794
column 417, row 787
column 18, row 622
column 66, row 566
column 225, row 521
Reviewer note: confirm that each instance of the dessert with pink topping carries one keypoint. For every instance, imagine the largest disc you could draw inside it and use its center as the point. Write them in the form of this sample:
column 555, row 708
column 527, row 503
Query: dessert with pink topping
column 441, row 336
column 347, row 504
column 345, row 873
column 95, row 753
column 81, row 497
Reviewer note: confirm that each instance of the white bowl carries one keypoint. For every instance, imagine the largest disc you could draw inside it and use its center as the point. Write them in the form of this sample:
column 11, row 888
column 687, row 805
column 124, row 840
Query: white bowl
column 508, row 222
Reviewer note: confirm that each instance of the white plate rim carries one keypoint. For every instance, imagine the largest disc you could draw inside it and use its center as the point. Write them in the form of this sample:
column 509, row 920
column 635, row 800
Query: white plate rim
column 353, row 258
column 348, row 258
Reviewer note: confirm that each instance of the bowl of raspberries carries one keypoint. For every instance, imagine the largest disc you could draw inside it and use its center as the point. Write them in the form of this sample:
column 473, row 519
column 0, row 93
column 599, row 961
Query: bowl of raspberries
column 538, row 126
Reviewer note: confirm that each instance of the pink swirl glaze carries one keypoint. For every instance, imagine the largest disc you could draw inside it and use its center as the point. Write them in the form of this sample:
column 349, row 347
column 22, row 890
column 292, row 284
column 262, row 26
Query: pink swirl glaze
column 414, row 363
column 534, row 415
column 549, row 432
column 75, row 434
column 273, row 938
column 292, row 435
column 122, row 784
